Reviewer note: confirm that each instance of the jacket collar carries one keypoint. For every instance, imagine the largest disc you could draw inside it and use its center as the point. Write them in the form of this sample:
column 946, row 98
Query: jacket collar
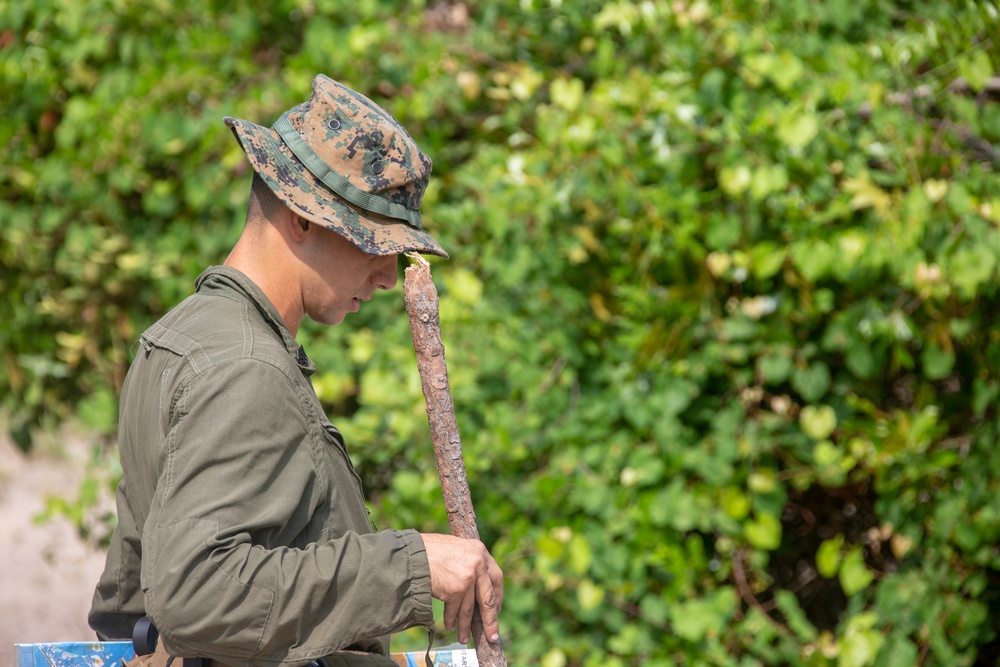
column 228, row 281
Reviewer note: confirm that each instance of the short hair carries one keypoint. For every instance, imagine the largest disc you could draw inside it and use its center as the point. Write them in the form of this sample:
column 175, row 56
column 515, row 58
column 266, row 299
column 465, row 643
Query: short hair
column 264, row 204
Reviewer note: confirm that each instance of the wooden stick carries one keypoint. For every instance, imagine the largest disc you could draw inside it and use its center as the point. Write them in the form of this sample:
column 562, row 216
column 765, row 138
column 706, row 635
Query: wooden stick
column 421, row 300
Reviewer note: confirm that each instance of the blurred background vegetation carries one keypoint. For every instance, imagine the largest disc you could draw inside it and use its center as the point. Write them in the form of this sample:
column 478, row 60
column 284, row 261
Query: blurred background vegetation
column 721, row 314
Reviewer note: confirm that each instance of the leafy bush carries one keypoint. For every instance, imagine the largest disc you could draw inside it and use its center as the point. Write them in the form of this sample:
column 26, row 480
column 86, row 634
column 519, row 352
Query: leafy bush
column 721, row 318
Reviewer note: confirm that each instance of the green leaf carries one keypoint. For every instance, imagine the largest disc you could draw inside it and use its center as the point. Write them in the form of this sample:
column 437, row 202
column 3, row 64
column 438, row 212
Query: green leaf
column 766, row 259
column 633, row 639
column 735, row 180
column 936, row 362
column 775, row 368
column 971, row 267
column 762, row 481
column 701, row 618
column 968, row 536
column 983, row 395
column 554, row 657
column 796, row 619
column 861, row 359
column 763, row 532
column 825, row 454
column 580, row 554
column 567, row 93
column 464, row 286
column 861, row 642
column 797, row 127
column 975, row 68
column 676, row 507
column 828, row 556
column 818, row 422
column 735, row 503
column 767, row 180
column 812, row 382
column 813, row 258
column 854, row 574
column 958, row 199
column 935, row 189
column 898, row 651
column 589, row 595
column 655, row 608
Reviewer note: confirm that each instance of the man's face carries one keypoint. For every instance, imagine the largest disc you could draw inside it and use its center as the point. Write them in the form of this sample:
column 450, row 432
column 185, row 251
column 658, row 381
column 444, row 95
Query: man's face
column 340, row 276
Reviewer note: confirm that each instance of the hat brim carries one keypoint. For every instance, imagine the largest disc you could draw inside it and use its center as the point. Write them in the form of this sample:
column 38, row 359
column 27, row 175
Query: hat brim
column 305, row 194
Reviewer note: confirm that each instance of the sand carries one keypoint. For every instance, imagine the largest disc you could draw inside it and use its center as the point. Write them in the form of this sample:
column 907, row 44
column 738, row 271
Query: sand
column 47, row 572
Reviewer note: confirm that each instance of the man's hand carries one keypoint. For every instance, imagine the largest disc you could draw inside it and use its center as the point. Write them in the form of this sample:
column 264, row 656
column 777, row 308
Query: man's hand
column 463, row 574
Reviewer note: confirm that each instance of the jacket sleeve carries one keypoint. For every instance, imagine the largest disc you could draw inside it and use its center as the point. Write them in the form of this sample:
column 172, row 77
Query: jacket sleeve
column 239, row 475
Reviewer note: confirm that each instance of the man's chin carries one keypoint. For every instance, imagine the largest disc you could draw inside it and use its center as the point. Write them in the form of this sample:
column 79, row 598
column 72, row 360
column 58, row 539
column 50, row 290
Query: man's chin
column 328, row 319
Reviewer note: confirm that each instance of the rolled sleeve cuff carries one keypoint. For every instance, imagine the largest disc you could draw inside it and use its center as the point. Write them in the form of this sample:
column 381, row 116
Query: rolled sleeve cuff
column 420, row 578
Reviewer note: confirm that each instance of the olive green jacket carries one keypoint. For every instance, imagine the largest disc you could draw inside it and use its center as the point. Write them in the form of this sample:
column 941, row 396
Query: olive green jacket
column 242, row 530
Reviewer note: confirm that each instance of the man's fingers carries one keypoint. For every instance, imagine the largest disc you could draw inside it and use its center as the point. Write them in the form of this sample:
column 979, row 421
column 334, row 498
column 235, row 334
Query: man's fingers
column 451, row 613
column 468, row 606
column 486, row 593
column 496, row 576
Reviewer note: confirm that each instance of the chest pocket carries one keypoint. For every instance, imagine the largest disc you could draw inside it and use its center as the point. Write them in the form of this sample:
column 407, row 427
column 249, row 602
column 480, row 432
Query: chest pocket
column 343, row 479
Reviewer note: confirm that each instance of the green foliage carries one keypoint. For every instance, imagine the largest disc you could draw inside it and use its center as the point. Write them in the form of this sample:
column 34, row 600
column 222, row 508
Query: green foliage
column 92, row 510
column 721, row 319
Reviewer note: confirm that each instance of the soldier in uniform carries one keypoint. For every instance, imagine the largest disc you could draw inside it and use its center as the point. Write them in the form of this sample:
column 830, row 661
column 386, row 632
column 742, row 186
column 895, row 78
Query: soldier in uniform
column 242, row 531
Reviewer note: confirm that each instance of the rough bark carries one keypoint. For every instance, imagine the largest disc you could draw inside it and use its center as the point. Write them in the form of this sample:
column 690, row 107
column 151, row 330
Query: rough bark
column 421, row 300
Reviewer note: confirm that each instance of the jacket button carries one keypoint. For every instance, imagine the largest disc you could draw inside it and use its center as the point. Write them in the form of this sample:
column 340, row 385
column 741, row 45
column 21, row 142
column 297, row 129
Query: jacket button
column 377, row 167
column 334, row 124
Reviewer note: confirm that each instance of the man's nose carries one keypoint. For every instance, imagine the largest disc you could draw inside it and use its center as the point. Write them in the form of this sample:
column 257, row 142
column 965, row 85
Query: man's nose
column 384, row 276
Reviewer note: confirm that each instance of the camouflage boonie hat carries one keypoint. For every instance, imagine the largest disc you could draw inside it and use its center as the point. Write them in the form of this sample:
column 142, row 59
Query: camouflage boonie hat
column 342, row 161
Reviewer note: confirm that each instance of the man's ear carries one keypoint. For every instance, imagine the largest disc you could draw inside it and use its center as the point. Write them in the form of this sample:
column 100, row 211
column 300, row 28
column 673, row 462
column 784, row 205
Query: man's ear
column 297, row 226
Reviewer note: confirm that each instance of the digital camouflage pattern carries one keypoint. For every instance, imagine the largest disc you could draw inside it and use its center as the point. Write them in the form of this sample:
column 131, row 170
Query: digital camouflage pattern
column 342, row 161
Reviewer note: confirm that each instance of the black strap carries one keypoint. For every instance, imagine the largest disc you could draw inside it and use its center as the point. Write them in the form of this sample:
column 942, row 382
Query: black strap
column 430, row 643
column 144, row 636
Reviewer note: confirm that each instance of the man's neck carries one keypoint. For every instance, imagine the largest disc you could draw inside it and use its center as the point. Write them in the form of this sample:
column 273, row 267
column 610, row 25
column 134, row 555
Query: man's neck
column 268, row 267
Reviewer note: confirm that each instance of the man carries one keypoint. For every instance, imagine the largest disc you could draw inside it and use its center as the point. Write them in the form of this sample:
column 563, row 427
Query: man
column 242, row 531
